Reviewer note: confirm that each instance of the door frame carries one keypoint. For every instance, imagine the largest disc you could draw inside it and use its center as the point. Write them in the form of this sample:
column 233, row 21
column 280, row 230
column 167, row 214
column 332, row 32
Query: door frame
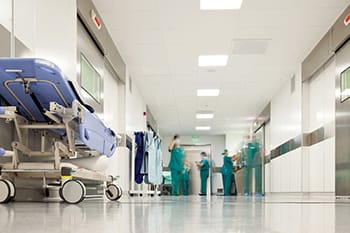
column 209, row 187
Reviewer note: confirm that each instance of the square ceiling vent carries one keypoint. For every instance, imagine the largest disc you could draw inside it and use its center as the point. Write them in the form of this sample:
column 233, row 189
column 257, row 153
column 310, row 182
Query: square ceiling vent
column 250, row 46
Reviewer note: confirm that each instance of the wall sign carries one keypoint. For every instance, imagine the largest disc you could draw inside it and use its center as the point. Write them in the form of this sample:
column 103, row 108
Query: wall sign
column 196, row 139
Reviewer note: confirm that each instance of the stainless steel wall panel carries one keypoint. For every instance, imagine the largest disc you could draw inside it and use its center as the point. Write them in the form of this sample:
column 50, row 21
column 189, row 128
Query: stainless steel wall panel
column 341, row 32
column 337, row 35
column 88, row 49
column 101, row 37
column 286, row 147
column 342, row 129
column 5, row 45
column 318, row 56
column 115, row 59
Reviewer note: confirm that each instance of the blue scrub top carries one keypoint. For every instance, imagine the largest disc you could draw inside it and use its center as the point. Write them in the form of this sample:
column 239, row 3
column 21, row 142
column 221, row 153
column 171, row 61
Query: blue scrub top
column 176, row 159
column 227, row 167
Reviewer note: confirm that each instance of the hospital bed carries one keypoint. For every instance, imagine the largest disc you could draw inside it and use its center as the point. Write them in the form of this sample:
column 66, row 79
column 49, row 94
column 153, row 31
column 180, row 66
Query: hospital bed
column 55, row 130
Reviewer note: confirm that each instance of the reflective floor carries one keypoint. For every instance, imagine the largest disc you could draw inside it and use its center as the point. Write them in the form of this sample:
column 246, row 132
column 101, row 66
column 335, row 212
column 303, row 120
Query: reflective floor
column 321, row 214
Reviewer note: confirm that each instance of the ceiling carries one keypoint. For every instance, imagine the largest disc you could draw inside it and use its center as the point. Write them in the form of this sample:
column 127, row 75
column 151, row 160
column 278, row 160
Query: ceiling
column 160, row 41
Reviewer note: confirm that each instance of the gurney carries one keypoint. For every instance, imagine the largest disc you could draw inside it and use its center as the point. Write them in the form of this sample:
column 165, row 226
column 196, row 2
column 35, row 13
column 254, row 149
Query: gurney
column 54, row 129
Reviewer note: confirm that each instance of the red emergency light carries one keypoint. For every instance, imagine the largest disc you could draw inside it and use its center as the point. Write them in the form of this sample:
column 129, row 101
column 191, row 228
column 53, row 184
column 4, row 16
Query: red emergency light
column 347, row 20
column 95, row 19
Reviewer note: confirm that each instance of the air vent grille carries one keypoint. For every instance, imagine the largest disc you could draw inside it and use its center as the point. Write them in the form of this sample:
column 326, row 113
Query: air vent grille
column 250, row 46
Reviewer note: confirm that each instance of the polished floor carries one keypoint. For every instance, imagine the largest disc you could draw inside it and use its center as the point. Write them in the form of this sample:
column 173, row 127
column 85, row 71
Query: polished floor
column 276, row 213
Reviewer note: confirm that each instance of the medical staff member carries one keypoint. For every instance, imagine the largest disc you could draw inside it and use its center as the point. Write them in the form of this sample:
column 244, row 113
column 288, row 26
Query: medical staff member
column 204, row 172
column 176, row 164
column 227, row 172
column 186, row 178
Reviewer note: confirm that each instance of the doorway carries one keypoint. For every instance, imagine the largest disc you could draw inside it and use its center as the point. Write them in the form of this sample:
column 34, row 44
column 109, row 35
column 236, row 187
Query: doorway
column 192, row 153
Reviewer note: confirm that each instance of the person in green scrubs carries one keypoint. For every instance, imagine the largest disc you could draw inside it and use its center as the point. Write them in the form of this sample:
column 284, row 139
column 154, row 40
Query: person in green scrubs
column 227, row 172
column 176, row 164
column 204, row 173
column 253, row 162
column 186, row 178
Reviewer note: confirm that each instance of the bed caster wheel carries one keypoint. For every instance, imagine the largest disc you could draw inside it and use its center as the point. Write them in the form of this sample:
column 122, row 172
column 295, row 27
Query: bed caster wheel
column 120, row 191
column 113, row 192
column 73, row 191
column 7, row 191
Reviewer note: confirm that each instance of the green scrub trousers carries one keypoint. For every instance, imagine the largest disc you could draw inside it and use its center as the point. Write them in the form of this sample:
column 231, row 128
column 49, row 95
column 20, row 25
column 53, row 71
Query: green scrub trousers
column 186, row 183
column 176, row 167
column 204, row 173
column 226, row 171
column 204, row 179
column 253, row 161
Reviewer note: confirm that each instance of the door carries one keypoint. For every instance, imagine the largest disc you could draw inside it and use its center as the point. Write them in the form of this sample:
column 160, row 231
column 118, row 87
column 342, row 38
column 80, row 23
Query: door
column 192, row 153
column 342, row 121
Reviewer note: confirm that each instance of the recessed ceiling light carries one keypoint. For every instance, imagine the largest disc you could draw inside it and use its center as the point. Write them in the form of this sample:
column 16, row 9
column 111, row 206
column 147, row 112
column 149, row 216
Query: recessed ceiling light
column 208, row 92
column 204, row 115
column 203, row 127
column 212, row 60
column 220, row 4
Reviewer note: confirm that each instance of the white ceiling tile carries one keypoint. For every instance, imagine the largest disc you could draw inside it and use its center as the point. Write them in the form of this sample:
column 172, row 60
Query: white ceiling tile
column 160, row 42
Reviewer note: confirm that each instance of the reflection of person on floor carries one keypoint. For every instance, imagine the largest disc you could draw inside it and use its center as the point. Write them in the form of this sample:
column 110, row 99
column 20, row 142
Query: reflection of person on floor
column 228, row 177
column 176, row 164
column 204, row 172
column 186, row 178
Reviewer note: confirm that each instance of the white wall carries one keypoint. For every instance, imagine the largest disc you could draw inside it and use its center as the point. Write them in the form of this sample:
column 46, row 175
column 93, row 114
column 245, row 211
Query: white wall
column 56, row 33
column 285, row 172
column 6, row 14
column 233, row 141
column 286, row 112
column 306, row 169
column 320, row 157
column 135, row 107
column 25, row 21
column 322, row 98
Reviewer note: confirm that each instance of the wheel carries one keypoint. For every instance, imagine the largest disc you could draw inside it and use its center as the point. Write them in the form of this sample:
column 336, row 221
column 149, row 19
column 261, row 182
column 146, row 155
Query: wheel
column 120, row 191
column 112, row 192
column 5, row 191
column 12, row 190
column 73, row 191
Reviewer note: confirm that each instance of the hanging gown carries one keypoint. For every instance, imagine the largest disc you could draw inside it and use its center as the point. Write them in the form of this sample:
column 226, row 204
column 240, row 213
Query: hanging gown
column 139, row 140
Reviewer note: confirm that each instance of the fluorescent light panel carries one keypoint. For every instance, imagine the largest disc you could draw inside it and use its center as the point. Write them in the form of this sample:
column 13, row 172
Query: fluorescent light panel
column 212, row 60
column 204, row 115
column 203, row 127
column 220, row 4
column 208, row 92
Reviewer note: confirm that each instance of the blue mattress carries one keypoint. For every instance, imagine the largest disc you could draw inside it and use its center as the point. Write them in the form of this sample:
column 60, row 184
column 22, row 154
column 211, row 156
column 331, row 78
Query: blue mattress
column 31, row 84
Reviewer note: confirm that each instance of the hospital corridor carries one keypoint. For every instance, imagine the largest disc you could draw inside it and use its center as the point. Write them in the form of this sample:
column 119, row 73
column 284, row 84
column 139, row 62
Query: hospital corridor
column 185, row 116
